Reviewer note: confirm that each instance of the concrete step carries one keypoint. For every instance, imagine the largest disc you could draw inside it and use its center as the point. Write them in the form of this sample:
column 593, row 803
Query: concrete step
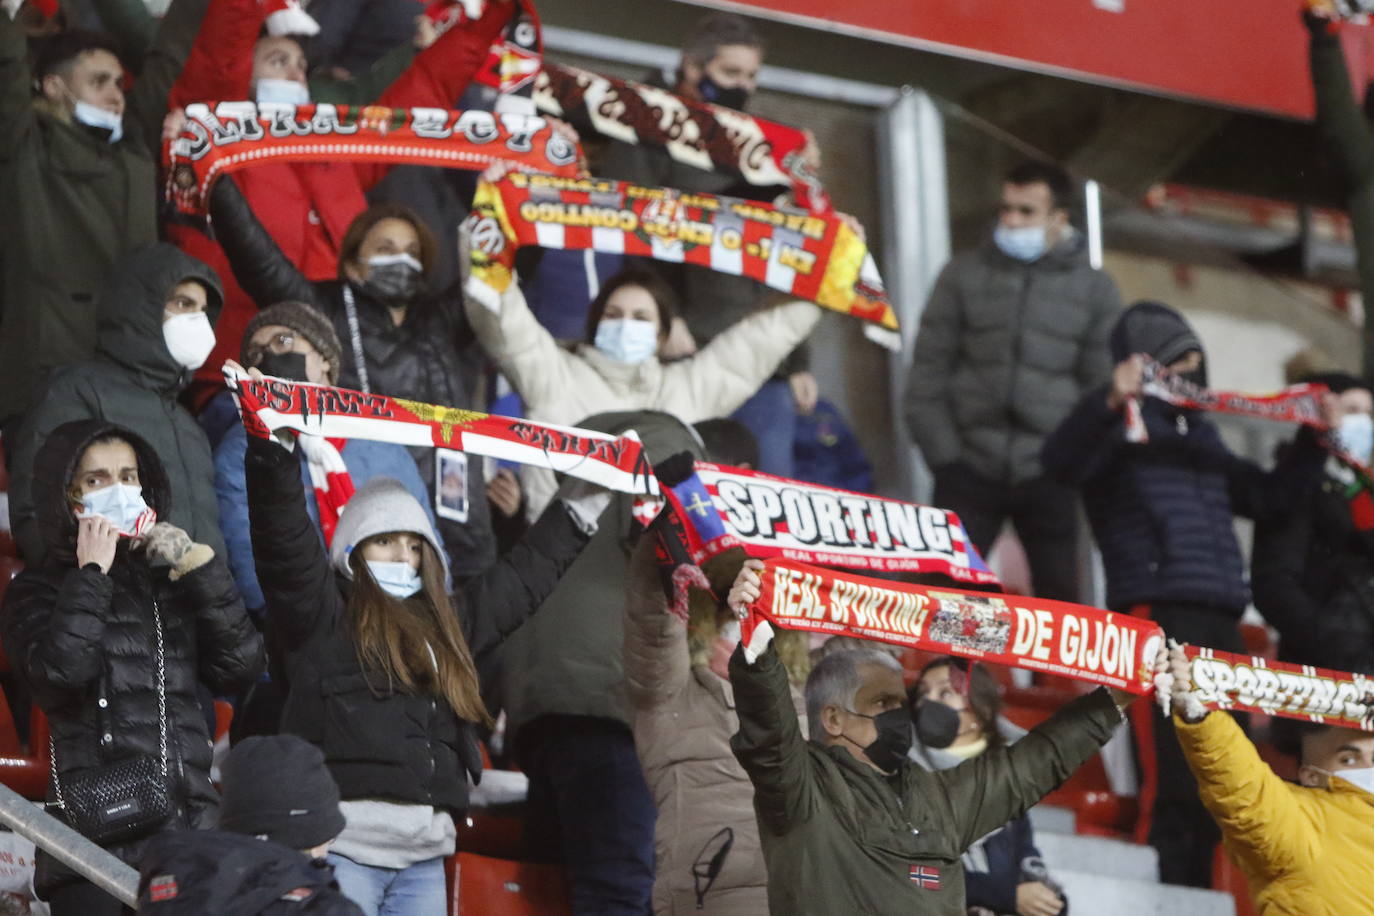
column 1100, row 855
column 1096, row 893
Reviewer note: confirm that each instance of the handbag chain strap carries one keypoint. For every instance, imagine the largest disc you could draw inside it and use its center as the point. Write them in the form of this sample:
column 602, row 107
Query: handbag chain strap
column 161, row 713
column 355, row 338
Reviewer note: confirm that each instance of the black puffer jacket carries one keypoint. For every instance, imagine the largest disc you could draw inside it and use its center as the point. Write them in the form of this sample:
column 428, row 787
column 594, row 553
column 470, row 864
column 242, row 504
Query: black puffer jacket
column 1313, row 570
column 84, row 642
column 1162, row 511
column 380, row 743
column 432, row 356
column 227, row 874
column 132, row 382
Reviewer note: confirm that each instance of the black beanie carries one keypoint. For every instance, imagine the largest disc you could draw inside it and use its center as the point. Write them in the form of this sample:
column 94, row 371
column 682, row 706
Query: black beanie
column 305, row 320
column 277, row 787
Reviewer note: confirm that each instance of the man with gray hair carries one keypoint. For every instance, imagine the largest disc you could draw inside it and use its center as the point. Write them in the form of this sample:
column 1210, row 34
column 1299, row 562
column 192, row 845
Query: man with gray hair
column 847, row 824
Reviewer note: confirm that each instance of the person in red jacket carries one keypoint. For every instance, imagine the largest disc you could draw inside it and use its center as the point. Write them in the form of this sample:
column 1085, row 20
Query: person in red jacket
column 306, row 208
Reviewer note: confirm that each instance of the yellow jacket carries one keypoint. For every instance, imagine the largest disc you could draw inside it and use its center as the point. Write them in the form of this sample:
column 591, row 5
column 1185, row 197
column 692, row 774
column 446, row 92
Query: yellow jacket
column 1304, row 852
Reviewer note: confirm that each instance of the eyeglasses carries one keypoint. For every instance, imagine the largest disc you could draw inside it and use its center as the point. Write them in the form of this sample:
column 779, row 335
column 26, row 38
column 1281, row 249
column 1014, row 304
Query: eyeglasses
column 710, row 861
column 278, row 344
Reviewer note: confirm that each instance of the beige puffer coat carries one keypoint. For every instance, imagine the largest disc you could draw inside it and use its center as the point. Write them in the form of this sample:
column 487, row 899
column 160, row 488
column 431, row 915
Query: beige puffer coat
column 683, row 716
column 565, row 386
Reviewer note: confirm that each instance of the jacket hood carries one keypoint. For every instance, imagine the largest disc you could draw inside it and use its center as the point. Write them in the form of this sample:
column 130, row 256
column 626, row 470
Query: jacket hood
column 55, row 465
column 229, row 874
column 383, row 504
column 1156, row 329
column 130, row 329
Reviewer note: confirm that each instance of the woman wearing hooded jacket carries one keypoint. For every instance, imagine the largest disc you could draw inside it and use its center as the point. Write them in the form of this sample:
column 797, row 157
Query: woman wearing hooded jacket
column 400, row 337
column 616, row 366
column 83, row 631
column 382, row 662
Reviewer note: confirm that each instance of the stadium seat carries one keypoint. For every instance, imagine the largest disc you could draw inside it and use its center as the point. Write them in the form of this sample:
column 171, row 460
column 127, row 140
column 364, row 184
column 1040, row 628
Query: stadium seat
column 480, row 885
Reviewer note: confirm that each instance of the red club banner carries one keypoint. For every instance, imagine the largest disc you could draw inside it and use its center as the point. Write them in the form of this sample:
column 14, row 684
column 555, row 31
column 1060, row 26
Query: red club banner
column 222, row 137
column 1056, row 637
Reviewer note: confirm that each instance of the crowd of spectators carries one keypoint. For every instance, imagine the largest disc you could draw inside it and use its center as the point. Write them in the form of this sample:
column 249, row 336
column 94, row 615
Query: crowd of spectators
column 375, row 656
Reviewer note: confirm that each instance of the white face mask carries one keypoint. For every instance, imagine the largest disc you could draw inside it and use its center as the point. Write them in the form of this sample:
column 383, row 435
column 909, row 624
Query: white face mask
column 1356, row 434
column 400, row 580
column 1024, row 243
column 627, row 340
column 189, row 338
column 281, row 92
column 100, row 119
column 122, row 505
column 1360, row 777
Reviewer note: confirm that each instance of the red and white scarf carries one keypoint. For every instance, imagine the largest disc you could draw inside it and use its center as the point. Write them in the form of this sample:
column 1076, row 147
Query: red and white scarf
column 330, row 478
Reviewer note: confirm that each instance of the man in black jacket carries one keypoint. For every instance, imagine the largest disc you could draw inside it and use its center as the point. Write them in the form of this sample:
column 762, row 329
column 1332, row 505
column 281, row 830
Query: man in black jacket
column 1013, row 334
column 279, row 814
column 1162, row 513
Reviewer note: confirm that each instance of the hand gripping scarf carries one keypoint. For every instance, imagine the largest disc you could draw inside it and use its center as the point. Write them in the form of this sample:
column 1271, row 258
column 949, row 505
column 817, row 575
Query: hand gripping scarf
column 804, row 255
column 223, row 137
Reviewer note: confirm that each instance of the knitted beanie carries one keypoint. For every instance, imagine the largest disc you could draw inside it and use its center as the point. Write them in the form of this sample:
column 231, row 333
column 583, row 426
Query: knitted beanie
column 278, row 788
column 383, row 504
column 1156, row 329
column 306, row 321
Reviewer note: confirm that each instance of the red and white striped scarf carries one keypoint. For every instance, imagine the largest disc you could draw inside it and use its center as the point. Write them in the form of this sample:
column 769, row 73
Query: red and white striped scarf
column 329, row 475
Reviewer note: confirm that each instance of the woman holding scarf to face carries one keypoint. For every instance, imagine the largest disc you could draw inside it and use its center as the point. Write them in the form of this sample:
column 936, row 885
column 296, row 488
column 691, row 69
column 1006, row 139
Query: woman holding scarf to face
column 113, row 633
column 400, row 336
column 957, row 710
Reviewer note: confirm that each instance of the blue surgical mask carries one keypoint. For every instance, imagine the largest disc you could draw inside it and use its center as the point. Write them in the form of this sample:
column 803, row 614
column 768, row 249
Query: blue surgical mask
column 627, row 340
column 400, row 580
column 281, row 92
column 100, row 119
column 122, row 505
column 1024, row 243
column 1356, row 434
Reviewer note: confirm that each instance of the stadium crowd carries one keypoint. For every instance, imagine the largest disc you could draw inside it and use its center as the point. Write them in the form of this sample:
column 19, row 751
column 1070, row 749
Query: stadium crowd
column 387, row 618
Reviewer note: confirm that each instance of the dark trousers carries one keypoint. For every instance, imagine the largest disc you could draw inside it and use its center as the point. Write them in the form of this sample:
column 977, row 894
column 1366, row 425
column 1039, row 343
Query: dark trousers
column 1172, row 817
column 590, row 809
column 1043, row 512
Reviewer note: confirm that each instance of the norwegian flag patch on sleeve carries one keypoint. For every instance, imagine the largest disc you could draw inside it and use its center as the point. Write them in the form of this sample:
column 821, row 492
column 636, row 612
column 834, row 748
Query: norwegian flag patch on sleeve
column 926, row 877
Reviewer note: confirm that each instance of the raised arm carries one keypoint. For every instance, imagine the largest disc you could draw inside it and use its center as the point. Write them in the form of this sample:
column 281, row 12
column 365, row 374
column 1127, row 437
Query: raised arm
column 1085, row 442
column 498, row 601
column 657, row 665
column 219, row 67
column 929, row 416
column 293, row 569
column 769, row 743
column 150, row 98
column 738, row 360
column 1002, row 784
column 18, row 121
column 1339, row 117
column 528, row 355
column 265, row 273
column 1257, row 811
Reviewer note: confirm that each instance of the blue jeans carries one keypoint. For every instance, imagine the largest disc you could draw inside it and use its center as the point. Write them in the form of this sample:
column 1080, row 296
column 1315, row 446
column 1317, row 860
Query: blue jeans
column 419, row 890
column 771, row 416
column 590, row 809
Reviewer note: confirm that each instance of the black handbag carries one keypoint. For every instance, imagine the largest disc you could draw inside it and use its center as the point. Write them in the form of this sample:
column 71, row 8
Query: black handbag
column 128, row 798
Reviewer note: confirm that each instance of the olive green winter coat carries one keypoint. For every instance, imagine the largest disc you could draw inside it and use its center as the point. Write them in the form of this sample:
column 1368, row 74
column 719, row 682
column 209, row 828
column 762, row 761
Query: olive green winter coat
column 840, row 837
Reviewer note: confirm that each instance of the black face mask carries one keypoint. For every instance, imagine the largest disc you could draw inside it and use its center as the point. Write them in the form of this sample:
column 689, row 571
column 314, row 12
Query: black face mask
column 284, row 365
column 394, row 284
column 735, row 97
column 889, row 749
column 937, row 725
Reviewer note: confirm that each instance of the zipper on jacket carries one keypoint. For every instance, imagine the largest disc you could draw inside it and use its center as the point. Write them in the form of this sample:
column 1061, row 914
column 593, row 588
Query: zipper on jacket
column 1014, row 367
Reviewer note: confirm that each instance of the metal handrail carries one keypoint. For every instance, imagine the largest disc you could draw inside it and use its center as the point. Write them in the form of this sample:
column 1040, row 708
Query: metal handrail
column 103, row 869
